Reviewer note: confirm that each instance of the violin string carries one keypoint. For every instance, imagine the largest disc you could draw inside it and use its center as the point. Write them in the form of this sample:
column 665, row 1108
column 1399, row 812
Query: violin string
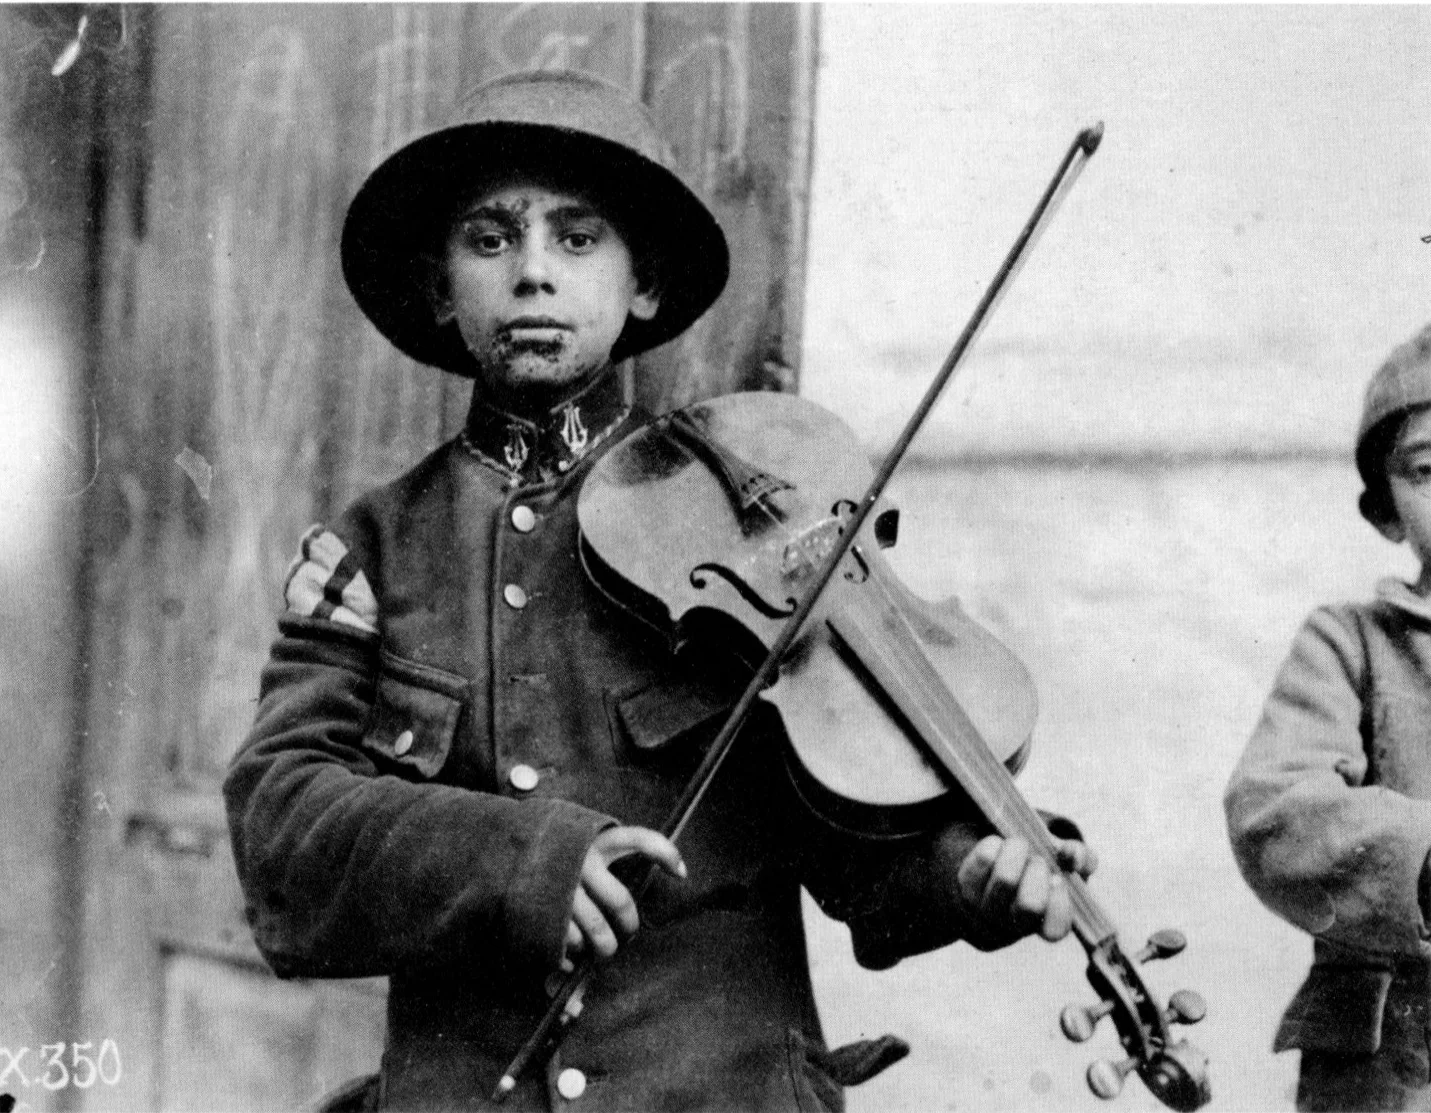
column 993, row 784
column 995, row 780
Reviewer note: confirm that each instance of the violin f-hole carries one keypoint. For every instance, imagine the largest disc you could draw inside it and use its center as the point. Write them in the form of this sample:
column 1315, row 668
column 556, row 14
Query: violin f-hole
column 861, row 570
column 748, row 593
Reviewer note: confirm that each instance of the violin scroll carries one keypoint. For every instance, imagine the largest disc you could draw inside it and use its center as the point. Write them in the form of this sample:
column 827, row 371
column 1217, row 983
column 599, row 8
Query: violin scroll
column 1177, row 1077
column 1174, row 1071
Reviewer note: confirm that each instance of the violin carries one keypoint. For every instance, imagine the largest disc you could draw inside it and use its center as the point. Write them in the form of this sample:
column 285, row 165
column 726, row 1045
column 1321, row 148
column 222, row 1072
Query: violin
column 716, row 516
column 736, row 520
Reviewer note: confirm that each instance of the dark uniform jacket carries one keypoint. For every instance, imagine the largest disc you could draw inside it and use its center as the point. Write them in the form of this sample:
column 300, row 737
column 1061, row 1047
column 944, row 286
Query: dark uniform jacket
column 450, row 715
column 1329, row 811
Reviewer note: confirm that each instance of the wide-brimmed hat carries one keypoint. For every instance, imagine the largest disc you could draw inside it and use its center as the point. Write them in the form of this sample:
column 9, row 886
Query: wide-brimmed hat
column 569, row 128
column 1400, row 385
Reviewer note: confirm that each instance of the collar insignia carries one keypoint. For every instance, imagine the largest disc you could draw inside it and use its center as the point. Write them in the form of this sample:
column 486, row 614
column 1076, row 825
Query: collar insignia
column 533, row 448
column 573, row 432
column 515, row 451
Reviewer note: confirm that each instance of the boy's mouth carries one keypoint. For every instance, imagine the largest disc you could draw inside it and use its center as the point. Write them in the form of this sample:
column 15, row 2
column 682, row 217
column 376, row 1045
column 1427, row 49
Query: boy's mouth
column 543, row 337
column 526, row 329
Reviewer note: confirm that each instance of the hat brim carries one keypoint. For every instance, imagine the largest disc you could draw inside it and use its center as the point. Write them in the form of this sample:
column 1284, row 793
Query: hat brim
column 401, row 212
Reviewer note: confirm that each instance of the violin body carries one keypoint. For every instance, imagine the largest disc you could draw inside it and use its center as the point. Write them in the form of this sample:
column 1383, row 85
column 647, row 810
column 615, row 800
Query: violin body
column 666, row 525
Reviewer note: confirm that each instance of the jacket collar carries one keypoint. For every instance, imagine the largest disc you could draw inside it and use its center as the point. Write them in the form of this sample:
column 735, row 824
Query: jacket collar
column 534, row 449
column 1400, row 595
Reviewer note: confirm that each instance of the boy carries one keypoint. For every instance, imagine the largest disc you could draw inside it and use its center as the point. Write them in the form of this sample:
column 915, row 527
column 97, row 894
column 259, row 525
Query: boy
column 458, row 735
column 1329, row 809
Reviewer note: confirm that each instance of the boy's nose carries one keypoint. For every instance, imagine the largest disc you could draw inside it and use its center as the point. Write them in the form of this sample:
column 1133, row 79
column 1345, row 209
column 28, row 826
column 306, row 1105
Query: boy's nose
column 534, row 270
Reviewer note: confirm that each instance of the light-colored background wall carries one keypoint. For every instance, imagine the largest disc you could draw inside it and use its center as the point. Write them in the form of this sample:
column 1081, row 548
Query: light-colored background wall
column 1142, row 478
column 1240, row 253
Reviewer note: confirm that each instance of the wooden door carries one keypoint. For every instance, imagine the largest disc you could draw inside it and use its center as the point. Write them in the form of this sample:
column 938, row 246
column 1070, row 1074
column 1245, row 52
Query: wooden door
column 242, row 396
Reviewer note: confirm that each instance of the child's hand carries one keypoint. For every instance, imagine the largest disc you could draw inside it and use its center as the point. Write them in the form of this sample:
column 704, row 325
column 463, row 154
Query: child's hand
column 1016, row 890
column 603, row 913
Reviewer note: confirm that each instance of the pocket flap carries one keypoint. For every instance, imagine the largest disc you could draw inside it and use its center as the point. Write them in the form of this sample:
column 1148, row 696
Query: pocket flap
column 656, row 717
column 415, row 718
column 1338, row 1010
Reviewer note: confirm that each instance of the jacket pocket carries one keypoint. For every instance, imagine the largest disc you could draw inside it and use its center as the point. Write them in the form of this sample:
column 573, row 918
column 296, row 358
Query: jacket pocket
column 662, row 718
column 414, row 720
column 1338, row 1009
column 820, row 1075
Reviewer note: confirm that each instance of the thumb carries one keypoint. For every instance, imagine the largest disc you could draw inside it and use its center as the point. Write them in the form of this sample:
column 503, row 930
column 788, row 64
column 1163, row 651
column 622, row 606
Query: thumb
column 616, row 843
column 973, row 874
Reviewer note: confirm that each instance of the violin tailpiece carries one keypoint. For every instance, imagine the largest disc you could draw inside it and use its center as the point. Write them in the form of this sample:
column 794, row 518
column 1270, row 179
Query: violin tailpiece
column 750, row 489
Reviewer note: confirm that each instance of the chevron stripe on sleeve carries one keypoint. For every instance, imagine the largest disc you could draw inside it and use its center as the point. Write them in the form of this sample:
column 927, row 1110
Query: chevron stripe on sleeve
column 324, row 581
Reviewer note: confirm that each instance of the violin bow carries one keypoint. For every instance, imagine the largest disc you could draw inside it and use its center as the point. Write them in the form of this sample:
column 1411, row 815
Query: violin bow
column 565, row 1004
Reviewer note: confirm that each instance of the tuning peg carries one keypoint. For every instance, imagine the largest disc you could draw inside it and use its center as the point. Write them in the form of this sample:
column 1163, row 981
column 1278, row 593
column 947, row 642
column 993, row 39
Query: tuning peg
column 1162, row 944
column 1185, row 1007
column 1078, row 1021
column 1105, row 1079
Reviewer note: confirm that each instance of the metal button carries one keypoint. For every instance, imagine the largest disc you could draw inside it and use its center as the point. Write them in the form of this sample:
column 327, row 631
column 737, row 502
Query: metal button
column 571, row 1084
column 403, row 743
column 523, row 778
column 516, row 598
column 524, row 519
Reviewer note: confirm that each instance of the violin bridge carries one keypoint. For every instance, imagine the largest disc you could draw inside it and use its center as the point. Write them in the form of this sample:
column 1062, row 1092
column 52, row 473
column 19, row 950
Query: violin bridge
column 809, row 548
column 757, row 490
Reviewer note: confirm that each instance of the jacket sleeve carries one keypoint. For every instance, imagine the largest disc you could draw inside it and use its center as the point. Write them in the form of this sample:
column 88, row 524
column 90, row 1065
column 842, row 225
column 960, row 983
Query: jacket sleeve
column 350, row 869
column 1337, row 857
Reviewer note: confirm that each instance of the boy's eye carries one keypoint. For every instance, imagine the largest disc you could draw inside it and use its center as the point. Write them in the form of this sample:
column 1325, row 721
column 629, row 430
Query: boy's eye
column 1413, row 469
column 484, row 241
column 580, row 239
column 580, row 231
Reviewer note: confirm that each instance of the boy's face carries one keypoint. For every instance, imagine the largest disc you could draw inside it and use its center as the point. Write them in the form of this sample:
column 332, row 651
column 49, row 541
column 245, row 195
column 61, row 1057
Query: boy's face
column 1408, row 474
column 540, row 284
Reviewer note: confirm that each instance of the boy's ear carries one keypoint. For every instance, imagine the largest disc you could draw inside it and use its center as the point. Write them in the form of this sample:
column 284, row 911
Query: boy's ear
column 645, row 304
column 1378, row 508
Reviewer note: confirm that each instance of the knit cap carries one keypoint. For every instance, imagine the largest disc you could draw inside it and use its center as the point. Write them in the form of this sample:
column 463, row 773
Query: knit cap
column 1401, row 384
